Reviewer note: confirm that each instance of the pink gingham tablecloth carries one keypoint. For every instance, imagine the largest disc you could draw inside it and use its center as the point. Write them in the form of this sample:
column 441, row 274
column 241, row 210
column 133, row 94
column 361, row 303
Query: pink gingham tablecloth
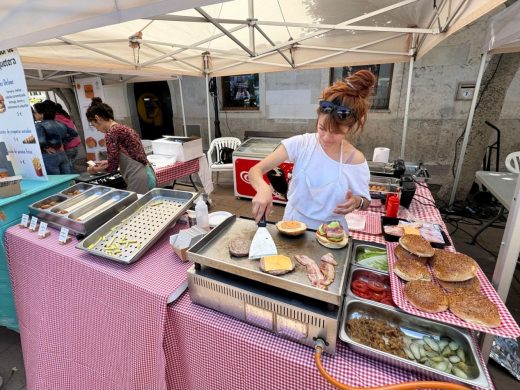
column 87, row 322
column 210, row 350
column 175, row 171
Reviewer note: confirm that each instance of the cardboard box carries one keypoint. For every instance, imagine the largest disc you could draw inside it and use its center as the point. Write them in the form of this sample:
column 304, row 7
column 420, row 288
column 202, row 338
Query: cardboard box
column 183, row 148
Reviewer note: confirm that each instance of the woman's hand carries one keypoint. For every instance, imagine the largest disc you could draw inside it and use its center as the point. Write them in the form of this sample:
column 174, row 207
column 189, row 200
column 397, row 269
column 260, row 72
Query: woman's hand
column 352, row 203
column 262, row 203
column 101, row 167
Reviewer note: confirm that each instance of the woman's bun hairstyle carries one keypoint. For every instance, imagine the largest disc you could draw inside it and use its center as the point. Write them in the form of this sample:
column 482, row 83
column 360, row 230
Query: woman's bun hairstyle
column 354, row 92
column 97, row 107
column 96, row 100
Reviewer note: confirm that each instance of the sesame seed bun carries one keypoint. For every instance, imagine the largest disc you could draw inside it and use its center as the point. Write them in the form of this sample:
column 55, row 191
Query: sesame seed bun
column 474, row 307
column 426, row 296
column 410, row 270
column 453, row 267
column 417, row 245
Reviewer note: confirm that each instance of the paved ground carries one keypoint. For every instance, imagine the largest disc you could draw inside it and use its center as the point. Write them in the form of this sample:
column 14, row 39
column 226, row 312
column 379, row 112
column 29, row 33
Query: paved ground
column 11, row 360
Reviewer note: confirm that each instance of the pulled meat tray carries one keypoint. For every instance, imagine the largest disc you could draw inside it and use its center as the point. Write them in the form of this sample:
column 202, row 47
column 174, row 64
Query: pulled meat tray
column 507, row 328
column 213, row 251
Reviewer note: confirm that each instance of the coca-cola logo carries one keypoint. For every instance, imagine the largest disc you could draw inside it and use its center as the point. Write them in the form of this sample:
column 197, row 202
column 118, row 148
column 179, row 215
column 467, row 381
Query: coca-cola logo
column 244, row 175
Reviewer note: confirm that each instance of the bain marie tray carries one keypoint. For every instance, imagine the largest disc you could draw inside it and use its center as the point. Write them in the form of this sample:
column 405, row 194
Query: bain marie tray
column 127, row 236
column 213, row 251
column 82, row 213
column 508, row 326
column 415, row 328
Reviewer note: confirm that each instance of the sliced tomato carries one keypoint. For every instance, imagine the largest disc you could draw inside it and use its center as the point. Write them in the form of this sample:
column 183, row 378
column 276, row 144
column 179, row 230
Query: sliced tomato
column 360, row 285
column 378, row 296
column 363, row 294
column 376, row 286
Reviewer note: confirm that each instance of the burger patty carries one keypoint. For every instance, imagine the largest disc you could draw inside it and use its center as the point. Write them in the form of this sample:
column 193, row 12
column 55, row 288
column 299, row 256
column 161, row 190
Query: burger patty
column 239, row 247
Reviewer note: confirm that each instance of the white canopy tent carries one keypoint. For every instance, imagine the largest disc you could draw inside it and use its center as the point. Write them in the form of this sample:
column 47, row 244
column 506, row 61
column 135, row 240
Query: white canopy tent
column 503, row 36
column 229, row 38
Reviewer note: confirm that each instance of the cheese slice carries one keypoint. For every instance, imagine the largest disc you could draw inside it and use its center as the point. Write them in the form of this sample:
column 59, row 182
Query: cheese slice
column 277, row 263
column 411, row 230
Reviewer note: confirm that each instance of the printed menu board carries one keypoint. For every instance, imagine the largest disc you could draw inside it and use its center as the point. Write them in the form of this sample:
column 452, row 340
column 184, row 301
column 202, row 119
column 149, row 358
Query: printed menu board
column 17, row 129
column 86, row 89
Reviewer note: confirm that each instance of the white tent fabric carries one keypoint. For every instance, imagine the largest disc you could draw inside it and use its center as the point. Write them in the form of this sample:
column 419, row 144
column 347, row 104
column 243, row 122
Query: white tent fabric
column 247, row 36
column 503, row 36
column 29, row 21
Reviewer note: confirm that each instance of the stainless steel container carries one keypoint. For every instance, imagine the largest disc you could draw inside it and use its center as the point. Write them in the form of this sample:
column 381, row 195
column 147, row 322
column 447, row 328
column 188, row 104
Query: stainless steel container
column 76, row 189
column 360, row 273
column 127, row 236
column 415, row 328
column 358, row 246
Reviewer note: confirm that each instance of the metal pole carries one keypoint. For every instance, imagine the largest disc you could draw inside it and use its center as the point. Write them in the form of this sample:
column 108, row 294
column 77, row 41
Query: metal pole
column 252, row 22
column 407, row 104
column 506, row 260
column 182, row 107
column 468, row 128
column 208, row 109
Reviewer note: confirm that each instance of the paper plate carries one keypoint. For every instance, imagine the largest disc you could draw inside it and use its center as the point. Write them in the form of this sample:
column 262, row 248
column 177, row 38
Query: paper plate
column 217, row 217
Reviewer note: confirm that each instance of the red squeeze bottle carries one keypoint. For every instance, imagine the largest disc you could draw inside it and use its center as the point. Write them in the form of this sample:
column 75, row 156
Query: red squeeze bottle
column 392, row 206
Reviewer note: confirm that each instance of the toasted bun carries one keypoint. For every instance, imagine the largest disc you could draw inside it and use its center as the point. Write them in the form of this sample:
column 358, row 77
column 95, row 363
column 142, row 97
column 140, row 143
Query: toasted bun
column 332, row 244
column 291, row 228
column 426, row 296
column 453, row 267
column 474, row 307
column 416, row 245
column 276, row 265
column 410, row 270
column 401, row 253
column 472, row 284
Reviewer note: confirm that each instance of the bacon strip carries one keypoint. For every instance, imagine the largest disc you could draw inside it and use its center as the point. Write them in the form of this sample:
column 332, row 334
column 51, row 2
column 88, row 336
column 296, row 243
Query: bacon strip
column 328, row 268
column 313, row 271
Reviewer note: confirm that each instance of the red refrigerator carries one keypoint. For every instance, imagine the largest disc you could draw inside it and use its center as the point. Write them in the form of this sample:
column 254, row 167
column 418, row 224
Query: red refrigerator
column 249, row 154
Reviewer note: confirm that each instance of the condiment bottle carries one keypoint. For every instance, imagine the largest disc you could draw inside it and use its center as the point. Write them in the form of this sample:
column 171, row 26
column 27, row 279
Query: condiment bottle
column 392, row 206
column 201, row 214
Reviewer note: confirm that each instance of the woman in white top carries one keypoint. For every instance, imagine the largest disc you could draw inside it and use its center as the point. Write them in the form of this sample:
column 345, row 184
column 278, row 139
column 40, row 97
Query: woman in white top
column 330, row 176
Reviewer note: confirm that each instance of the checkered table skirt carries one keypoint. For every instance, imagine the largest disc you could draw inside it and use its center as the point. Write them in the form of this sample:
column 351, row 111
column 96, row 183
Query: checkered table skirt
column 169, row 173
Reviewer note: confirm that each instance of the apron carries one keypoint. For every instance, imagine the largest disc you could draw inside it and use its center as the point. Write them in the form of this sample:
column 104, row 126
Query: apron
column 137, row 176
column 313, row 205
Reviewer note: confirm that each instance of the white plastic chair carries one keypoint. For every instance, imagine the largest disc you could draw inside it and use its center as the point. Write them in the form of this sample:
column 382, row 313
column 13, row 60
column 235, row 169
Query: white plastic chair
column 215, row 147
column 513, row 162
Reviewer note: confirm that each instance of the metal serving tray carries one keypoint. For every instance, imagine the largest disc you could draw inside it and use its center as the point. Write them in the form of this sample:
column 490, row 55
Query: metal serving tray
column 357, row 246
column 213, row 251
column 413, row 327
column 384, row 180
column 366, row 273
column 126, row 237
column 97, row 205
column 37, row 207
column 81, row 187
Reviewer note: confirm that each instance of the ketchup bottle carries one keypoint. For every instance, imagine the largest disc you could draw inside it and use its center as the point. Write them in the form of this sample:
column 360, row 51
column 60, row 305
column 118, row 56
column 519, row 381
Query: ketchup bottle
column 392, row 206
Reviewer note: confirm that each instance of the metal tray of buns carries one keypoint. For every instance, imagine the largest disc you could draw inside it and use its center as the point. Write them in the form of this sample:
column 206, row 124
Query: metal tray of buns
column 213, row 251
column 415, row 329
column 82, row 213
column 127, row 236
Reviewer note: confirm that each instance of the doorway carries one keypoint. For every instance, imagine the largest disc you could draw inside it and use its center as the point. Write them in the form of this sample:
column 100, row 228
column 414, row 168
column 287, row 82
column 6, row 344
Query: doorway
column 154, row 109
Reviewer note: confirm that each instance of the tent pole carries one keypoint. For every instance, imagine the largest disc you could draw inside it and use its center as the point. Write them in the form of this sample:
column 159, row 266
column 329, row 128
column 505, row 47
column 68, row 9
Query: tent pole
column 182, row 107
column 252, row 21
column 407, row 104
column 208, row 109
column 468, row 128
column 506, row 260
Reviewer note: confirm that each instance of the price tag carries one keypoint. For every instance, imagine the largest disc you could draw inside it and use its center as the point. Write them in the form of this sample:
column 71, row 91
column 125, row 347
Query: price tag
column 64, row 235
column 34, row 222
column 42, row 231
column 25, row 220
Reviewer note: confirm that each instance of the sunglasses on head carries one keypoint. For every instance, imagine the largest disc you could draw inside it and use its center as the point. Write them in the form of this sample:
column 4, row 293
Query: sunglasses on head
column 340, row 112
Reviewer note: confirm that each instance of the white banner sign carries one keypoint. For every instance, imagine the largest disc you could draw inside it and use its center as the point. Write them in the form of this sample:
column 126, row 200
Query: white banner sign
column 86, row 89
column 16, row 120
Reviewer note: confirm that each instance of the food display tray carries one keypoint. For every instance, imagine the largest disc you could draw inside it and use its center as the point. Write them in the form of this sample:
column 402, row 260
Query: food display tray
column 127, row 236
column 213, row 251
column 76, row 189
column 84, row 212
column 414, row 328
column 508, row 326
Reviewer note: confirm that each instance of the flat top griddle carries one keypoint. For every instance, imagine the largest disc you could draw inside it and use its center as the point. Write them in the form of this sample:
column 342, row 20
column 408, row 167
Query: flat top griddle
column 213, row 251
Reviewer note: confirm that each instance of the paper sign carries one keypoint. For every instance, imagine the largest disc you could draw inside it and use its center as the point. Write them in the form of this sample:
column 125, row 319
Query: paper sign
column 16, row 120
column 25, row 220
column 64, row 234
column 34, row 222
column 42, row 231
column 86, row 89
